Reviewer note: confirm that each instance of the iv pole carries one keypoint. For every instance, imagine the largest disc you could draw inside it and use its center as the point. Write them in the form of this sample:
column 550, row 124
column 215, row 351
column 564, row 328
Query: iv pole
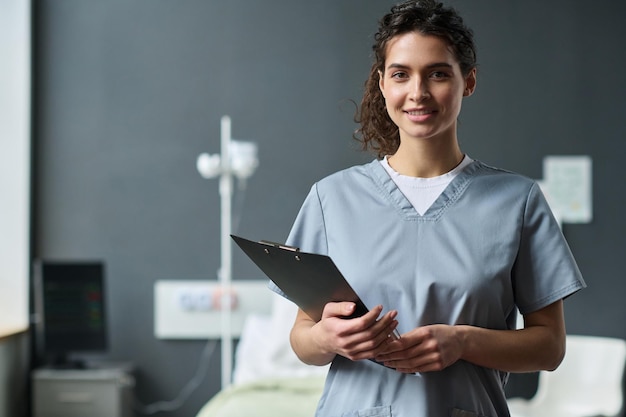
column 226, row 269
column 237, row 159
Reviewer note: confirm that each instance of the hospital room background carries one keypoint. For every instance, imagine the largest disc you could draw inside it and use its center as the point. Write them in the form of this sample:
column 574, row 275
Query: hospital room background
column 127, row 94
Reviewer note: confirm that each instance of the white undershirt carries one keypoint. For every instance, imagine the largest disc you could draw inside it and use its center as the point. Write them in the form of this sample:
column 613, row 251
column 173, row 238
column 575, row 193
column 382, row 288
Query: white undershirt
column 422, row 192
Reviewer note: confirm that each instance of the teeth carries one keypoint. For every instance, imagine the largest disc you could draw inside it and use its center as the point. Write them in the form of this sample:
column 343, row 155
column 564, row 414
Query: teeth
column 419, row 112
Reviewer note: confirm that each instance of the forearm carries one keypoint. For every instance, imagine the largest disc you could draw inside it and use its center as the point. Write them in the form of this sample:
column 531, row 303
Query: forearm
column 526, row 350
column 539, row 346
column 305, row 346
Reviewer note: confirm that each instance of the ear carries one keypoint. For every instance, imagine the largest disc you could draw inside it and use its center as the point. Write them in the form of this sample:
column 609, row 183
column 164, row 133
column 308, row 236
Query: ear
column 381, row 82
column 470, row 83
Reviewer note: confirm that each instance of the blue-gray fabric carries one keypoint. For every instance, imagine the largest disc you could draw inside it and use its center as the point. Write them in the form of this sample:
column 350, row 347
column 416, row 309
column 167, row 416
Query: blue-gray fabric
column 489, row 243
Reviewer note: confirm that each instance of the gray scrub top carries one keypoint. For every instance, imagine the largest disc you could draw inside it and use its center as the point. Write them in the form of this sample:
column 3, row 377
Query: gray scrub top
column 489, row 243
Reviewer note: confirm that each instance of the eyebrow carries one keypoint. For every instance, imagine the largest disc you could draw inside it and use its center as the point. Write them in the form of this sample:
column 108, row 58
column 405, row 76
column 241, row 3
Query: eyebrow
column 429, row 66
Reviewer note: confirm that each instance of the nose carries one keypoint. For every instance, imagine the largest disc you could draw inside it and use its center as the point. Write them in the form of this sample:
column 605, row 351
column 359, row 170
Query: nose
column 419, row 90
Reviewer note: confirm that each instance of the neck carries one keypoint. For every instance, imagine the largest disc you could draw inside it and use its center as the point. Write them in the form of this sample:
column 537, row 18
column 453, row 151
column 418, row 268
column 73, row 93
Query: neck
column 426, row 160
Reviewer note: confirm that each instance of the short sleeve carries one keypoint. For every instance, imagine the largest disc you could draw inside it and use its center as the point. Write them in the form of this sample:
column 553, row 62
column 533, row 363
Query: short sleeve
column 308, row 232
column 545, row 270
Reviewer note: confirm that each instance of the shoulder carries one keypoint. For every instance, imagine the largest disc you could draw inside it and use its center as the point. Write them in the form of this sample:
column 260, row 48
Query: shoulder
column 358, row 175
column 509, row 188
column 501, row 178
column 339, row 187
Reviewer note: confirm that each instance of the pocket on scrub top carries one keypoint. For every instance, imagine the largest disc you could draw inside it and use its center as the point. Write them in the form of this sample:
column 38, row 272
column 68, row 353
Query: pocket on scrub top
column 383, row 411
column 457, row 412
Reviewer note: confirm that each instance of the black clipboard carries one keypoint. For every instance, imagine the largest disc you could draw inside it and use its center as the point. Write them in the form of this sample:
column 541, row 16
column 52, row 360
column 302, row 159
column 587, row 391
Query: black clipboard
column 309, row 280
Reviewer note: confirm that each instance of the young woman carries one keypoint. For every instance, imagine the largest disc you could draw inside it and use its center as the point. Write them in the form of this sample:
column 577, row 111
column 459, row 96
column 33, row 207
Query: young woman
column 445, row 247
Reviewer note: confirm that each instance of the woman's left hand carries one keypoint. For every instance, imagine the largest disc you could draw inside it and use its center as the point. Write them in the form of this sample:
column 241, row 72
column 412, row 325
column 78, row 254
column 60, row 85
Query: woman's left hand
column 424, row 349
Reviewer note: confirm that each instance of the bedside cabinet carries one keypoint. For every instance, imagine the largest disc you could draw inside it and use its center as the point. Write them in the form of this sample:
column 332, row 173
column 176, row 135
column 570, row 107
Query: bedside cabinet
column 93, row 392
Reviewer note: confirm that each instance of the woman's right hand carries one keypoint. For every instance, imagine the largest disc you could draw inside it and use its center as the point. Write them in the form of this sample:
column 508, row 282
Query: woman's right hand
column 357, row 338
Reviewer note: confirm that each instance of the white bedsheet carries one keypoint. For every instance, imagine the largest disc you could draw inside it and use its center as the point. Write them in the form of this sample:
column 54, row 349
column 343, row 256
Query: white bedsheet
column 264, row 351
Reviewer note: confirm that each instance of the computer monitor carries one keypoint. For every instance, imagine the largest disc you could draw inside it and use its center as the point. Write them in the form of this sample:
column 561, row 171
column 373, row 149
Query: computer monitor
column 70, row 310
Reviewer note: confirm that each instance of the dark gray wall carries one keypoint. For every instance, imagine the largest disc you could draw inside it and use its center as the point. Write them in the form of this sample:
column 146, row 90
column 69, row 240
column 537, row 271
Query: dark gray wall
column 127, row 94
column 14, row 364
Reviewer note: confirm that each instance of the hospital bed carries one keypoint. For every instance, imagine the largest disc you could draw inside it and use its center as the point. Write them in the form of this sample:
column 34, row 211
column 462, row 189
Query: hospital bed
column 268, row 378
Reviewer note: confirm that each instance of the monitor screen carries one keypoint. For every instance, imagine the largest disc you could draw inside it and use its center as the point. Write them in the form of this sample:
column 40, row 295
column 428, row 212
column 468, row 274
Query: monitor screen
column 70, row 309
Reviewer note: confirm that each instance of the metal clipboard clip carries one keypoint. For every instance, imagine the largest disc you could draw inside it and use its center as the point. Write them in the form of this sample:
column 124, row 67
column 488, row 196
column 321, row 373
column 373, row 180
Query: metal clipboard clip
column 279, row 245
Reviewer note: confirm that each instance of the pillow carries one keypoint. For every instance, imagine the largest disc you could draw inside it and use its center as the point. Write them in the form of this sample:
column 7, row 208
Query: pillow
column 264, row 350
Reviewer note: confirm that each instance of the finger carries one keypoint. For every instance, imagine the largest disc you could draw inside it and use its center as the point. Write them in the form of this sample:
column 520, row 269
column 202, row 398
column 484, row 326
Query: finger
column 391, row 350
column 424, row 363
column 384, row 336
column 381, row 330
column 366, row 348
column 365, row 344
column 410, row 343
column 373, row 314
column 366, row 321
column 341, row 309
column 386, row 325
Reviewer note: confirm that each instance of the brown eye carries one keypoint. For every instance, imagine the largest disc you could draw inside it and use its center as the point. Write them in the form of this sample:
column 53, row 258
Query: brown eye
column 439, row 75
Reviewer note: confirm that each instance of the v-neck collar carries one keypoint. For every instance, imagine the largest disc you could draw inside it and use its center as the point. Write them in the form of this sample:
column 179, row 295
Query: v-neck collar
column 450, row 194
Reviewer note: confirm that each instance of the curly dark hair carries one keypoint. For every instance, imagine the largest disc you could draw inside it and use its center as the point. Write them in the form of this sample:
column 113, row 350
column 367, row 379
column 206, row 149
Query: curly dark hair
column 377, row 132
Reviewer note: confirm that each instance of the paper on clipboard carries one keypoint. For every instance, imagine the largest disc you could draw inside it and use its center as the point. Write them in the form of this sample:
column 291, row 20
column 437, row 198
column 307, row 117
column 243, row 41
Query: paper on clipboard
column 309, row 280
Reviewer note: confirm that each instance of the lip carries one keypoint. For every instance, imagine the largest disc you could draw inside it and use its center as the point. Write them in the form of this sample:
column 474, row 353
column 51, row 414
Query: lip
column 420, row 114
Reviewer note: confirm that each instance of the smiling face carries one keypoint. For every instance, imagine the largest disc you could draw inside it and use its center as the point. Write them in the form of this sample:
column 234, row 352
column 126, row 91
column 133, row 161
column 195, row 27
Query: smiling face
column 423, row 87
